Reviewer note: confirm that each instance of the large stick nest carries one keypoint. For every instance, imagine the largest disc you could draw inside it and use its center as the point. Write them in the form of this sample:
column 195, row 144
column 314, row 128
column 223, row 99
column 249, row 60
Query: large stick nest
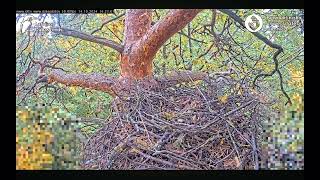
column 187, row 126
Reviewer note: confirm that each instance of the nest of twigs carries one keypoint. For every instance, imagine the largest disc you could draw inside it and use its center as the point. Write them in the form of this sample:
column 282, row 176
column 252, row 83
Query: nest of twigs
column 186, row 126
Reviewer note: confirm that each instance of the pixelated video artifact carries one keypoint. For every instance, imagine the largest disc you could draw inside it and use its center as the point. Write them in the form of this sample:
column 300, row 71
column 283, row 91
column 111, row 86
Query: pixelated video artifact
column 45, row 139
column 284, row 137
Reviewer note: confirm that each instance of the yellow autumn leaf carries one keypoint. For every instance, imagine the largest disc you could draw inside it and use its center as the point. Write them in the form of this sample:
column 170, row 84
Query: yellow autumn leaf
column 45, row 137
column 211, row 66
column 296, row 98
column 196, row 62
column 54, row 110
column 297, row 76
column 29, row 49
column 240, row 91
column 222, row 141
column 223, row 99
column 169, row 115
column 196, row 83
column 133, row 151
column 241, row 13
column 47, row 158
column 73, row 90
column 23, row 115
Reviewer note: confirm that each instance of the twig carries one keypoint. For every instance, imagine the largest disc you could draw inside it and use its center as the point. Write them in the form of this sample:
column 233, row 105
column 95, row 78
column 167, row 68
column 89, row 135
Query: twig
column 106, row 22
column 234, row 144
column 163, row 161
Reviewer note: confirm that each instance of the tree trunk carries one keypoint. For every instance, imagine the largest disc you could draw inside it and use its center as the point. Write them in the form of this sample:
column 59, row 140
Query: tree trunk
column 142, row 41
column 133, row 64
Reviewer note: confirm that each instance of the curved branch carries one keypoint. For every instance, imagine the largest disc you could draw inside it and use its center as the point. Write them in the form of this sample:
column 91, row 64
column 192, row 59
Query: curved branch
column 93, row 81
column 276, row 64
column 235, row 17
column 88, row 37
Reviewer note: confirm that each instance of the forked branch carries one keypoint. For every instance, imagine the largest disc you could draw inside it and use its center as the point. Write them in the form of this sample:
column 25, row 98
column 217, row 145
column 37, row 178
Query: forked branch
column 159, row 33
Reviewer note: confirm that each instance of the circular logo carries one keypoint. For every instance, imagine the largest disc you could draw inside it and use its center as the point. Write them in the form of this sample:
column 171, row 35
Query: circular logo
column 253, row 23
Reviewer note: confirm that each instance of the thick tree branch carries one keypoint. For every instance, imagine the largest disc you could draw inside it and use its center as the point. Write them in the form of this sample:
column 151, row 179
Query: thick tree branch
column 158, row 34
column 93, row 81
column 142, row 41
column 89, row 37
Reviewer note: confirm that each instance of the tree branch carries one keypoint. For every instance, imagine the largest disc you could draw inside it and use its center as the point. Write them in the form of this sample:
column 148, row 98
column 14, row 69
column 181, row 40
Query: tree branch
column 182, row 76
column 153, row 23
column 106, row 22
column 235, row 17
column 159, row 33
column 88, row 37
column 93, row 81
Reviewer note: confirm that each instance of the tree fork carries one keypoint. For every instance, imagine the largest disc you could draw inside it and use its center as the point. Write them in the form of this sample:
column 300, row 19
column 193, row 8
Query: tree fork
column 142, row 41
